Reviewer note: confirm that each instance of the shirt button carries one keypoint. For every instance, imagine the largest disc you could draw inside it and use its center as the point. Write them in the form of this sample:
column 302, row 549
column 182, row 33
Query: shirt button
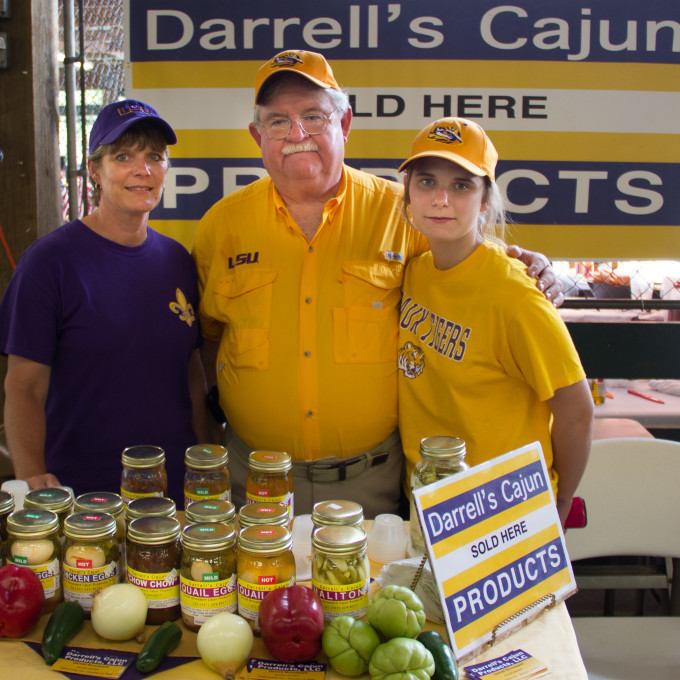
column 308, row 354
column 308, row 301
column 311, row 249
column 309, row 414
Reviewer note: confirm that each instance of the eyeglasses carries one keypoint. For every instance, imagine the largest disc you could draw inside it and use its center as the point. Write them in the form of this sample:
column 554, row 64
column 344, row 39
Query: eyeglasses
column 311, row 123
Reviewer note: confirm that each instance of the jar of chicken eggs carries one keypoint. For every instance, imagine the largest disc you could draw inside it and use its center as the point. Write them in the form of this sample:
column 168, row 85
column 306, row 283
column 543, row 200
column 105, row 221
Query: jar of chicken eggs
column 269, row 479
column 143, row 472
column 33, row 541
column 265, row 563
column 340, row 570
column 90, row 556
column 55, row 499
column 208, row 572
column 337, row 513
column 257, row 514
column 207, row 475
column 153, row 564
column 112, row 504
column 6, row 506
column 213, row 510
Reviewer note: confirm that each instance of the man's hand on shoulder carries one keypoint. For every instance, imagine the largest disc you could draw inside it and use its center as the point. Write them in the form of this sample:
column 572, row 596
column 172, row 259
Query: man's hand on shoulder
column 539, row 265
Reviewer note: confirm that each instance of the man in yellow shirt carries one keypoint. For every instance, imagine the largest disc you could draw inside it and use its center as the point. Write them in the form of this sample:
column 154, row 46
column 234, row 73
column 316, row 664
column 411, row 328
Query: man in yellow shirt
column 300, row 278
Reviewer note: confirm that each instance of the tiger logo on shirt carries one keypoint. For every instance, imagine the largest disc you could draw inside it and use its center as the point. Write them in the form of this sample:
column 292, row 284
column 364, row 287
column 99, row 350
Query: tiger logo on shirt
column 411, row 360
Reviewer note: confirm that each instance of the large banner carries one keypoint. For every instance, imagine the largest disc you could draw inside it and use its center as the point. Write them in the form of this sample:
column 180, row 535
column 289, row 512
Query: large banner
column 582, row 100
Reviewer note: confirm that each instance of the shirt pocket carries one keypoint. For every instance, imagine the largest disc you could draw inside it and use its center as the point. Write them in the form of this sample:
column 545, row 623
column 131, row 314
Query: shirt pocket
column 365, row 330
column 244, row 301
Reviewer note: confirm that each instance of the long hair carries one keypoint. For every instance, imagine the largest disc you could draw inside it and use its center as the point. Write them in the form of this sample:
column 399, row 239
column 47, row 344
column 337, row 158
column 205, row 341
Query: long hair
column 138, row 136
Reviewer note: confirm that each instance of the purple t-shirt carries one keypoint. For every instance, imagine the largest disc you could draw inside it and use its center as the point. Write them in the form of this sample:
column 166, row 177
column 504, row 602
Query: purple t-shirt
column 117, row 326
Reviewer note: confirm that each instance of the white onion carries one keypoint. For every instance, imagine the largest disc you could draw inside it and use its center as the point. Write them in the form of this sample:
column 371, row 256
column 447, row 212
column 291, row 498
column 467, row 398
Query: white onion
column 119, row 612
column 224, row 642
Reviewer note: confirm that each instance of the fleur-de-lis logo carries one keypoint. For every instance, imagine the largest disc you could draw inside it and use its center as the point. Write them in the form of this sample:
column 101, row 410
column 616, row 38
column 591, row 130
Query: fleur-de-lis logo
column 183, row 308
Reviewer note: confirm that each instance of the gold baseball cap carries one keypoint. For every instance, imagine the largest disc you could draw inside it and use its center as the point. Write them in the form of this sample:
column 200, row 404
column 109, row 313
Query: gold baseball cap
column 459, row 140
column 311, row 65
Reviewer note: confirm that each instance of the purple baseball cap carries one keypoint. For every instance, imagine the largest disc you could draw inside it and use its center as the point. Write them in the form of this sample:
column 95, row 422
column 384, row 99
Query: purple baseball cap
column 115, row 118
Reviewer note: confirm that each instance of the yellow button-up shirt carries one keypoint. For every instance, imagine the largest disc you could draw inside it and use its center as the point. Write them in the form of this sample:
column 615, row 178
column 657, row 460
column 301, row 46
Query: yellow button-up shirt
column 307, row 330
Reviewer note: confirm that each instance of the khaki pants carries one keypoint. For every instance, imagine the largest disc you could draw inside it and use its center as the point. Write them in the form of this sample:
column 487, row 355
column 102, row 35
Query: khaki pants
column 373, row 479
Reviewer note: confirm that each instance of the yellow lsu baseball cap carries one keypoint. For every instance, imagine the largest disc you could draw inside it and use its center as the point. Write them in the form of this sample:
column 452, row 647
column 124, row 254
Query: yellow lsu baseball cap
column 311, row 65
column 459, row 140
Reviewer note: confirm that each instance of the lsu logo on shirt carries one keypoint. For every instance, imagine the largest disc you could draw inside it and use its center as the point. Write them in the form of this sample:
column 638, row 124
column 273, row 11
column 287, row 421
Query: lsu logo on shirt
column 411, row 360
column 183, row 308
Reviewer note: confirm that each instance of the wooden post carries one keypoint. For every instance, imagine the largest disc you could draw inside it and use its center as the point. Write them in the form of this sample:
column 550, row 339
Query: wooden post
column 30, row 197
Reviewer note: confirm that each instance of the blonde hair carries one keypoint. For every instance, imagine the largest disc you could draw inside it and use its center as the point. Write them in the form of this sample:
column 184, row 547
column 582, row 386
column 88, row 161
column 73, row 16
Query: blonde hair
column 138, row 136
column 492, row 222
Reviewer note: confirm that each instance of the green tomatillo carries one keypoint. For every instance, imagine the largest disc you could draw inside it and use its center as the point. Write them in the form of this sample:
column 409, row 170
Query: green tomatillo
column 396, row 611
column 349, row 644
column 401, row 659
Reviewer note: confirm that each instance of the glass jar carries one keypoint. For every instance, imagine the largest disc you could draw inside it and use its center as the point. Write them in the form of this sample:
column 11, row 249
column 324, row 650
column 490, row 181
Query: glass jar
column 112, row 504
column 208, row 574
column 153, row 564
column 440, row 457
column 143, row 473
column 33, row 541
column 55, row 499
column 337, row 513
column 269, row 479
column 6, row 506
column 151, row 506
column 91, row 557
column 265, row 563
column 340, row 570
column 257, row 514
column 213, row 510
column 207, row 475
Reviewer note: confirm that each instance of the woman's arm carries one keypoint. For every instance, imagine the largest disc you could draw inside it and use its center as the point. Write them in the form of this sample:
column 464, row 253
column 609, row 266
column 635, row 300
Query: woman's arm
column 571, row 434
column 198, row 391
column 539, row 265
column 26, row 386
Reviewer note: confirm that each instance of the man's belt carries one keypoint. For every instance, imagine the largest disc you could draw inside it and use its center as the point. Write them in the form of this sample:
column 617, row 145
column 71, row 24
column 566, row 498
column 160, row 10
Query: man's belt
column 338, row 469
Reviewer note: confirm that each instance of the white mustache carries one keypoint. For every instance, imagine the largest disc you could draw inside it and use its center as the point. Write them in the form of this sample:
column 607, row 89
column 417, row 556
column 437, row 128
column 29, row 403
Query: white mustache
column 308, row 145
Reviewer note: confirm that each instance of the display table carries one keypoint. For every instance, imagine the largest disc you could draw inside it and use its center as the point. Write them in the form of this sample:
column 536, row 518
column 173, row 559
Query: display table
column 550, row 638
column 648, row 413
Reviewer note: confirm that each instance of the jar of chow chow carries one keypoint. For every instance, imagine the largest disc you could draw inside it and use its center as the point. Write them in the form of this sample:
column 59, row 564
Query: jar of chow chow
column 207, row 475
column 150, row 506
column 208, row 573
column 265, row 563
column 143, row 472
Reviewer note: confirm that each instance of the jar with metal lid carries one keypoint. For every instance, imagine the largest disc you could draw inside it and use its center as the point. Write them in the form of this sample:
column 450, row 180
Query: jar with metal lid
column 151, row 506
column 440, row 457
column 153, row 563
column 337, row 513
column 257, row 514
column 112, row 504
column 56, row 499
column 340, row 570
column 33, row 541
column 143, row 473
column 91, row 557
column 269, row 479
column 265, row 563
column 6, row 506
column 207, row 474
column 213, row 510
column 208, row 574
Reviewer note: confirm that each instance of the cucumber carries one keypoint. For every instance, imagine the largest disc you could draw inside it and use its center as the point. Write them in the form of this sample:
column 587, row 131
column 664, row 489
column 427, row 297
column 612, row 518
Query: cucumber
column 65, row 620
column 445, row 665
column 161, row 642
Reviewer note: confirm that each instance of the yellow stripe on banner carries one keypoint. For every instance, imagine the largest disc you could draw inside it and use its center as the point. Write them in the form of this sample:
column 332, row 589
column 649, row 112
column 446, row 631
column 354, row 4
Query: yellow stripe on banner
column 533, row 146
column 485, row 624
column 183, row 231
column 501, row 468
column 599, row 241
column 424, row 73
column 498, row 520
column 495, row 562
